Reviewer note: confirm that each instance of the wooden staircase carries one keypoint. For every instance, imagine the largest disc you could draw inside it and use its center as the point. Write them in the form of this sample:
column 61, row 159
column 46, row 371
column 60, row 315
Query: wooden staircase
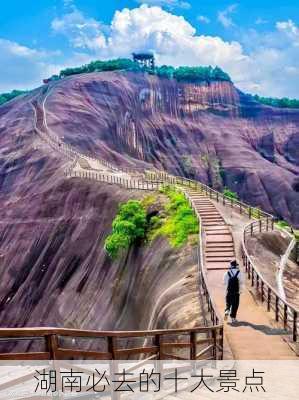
column 219, row 244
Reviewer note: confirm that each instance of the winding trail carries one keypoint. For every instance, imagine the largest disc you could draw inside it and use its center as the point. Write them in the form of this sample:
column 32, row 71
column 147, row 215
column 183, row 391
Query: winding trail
column 254, row 336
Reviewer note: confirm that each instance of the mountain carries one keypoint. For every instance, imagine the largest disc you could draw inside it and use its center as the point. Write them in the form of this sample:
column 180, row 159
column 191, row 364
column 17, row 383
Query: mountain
column 53, row 268
column 211, row 132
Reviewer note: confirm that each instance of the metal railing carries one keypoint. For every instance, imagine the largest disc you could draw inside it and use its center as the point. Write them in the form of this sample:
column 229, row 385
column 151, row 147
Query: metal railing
column 283, row 310
column 126, row 182
column 243, row 208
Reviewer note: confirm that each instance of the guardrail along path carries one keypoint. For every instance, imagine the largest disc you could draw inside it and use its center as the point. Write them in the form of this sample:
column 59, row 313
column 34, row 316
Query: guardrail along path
column 253, row 336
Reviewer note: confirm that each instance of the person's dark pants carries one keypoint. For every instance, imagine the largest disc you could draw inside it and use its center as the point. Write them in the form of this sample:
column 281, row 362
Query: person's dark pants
column 232, row 303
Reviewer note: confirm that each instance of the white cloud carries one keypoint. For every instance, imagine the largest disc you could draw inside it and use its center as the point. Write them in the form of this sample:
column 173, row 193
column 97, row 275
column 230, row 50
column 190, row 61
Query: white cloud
column 22, row 67
column 260, row 21
column 267, row 67
column 171, row 4
column 267, row 63
column 83, row 32
column 290, row 29
column 203, row 19
column 225, row 16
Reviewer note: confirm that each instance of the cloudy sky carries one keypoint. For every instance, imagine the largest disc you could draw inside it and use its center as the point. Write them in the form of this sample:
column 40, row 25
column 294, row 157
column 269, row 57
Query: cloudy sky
column 256, row 42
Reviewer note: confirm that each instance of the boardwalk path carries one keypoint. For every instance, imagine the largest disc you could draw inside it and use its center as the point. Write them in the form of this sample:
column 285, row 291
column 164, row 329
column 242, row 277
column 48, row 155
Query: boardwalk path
column 254, row 337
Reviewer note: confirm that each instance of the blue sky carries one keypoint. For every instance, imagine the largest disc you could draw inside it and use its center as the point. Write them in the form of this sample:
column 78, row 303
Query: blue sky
column 256, row 42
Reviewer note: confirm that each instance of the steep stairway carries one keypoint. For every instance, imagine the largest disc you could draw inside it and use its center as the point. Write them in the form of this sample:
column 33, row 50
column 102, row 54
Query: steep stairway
column 254, row 336
column 219, row 246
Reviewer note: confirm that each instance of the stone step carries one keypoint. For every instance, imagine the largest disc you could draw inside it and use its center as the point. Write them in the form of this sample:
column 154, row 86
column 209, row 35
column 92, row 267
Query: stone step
column 212, row 214
column 220, row 223
column 216, row 228
column 218, row 254
column 217, row 232
column 209, row 216
column 220, row 239
column 212, row 265
column 210, row 219
column 223, row 246
column 220, row 259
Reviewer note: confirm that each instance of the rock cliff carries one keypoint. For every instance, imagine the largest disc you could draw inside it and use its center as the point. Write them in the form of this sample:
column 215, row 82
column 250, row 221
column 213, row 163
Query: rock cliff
column 212, row 132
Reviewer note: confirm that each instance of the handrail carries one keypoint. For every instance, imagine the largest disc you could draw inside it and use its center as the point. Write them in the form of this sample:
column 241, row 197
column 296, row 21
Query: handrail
column 112, row 349
column 215, row 315
column 281, row 307
column 244, row 208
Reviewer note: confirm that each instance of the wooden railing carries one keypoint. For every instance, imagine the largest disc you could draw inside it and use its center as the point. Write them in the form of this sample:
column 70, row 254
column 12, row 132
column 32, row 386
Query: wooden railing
column 199, row 343
column 283, row 310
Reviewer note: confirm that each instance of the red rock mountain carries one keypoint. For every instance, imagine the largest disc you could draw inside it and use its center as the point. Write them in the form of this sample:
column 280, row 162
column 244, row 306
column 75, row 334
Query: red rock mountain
column 213, row 133
column 53, row 267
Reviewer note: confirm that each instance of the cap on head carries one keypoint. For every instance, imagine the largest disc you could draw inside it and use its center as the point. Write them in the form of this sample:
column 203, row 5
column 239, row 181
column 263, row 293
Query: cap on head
column 233, row 264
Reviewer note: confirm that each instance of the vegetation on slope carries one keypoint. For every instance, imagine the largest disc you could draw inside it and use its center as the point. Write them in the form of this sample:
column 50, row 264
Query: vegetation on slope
column 128, row 226
column 181, row 74
column 133, row 222
column 275, row 102
column 230, row 194
column 4, row 97
column 180, row 220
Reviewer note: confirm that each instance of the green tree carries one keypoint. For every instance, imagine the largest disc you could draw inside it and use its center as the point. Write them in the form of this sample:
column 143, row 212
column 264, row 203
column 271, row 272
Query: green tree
column 128, row 226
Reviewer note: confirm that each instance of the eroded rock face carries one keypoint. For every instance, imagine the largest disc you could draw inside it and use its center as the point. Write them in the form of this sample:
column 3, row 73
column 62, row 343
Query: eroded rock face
column 211, row 132
column 54, row 270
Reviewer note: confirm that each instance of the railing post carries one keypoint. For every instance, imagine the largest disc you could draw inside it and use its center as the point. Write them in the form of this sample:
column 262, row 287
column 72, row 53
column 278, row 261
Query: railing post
column 214, row 336
column 249, row 212
column 262, row 291
column 111, row 347
column 251, row 229
column 285, row 316
column 295, row 315
column 192, row 345
column 269, row 299
column 52, row 346
column 157, row 343
column 260, row 223
column 276, row 308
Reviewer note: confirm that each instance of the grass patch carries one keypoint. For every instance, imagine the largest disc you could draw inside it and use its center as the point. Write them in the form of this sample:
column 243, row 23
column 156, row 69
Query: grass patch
column 144, row 220
column 179, row 219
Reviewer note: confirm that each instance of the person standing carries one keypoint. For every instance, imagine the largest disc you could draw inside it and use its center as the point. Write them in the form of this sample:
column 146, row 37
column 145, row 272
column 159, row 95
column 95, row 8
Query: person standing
column 233, row 281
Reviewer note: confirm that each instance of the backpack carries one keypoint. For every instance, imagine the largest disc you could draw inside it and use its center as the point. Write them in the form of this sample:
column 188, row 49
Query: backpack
column 233, row 283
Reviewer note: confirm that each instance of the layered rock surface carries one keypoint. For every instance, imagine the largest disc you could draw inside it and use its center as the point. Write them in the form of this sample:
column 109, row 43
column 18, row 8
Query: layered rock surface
column 211, row 132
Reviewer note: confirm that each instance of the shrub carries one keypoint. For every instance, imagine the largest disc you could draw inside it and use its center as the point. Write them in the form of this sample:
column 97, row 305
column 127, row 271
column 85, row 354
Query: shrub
column 180, row 221
column 230, row 194
column 128, row 226
column 275, row 102
column 4, row 97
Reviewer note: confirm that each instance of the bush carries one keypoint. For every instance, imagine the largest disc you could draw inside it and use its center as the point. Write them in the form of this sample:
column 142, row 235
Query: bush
column 128, row 226
column 181, row 74
column 180, row 219
column 230, row 194
column 4, row 97
column 275, row 102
